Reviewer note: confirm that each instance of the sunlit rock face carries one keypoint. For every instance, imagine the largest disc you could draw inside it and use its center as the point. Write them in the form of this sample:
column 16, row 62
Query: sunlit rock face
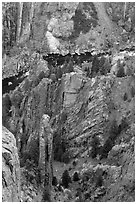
column 10, row 168
column 82, row 26
column 74, row 27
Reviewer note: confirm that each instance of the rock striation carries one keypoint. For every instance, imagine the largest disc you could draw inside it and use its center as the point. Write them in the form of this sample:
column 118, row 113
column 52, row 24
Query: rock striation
column 78, row 68
column 10, row 168
column 90, row 117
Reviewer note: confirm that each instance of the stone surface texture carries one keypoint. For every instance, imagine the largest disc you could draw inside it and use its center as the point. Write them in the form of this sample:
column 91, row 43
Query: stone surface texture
column 78, row 67
column 10, row 168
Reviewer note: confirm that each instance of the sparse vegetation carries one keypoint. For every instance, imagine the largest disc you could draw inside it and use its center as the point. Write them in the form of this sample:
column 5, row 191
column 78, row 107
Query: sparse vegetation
column 95, row 144
column 33, row 154
column 75, row 162
column 113, row 133
column 124, row 125
column 65, row 157
column 60, row 147
column 16, row 98
column 75, row 50
column 46, row 195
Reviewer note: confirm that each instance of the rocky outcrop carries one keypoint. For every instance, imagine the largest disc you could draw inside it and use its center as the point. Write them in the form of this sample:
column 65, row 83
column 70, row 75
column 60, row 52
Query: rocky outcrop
column 73, row 27
column 81, row 26
column 122, row 183
column 10, row 168
column 78, row 68
column 114, row 179
column 90, row 117
column 46, row 156
column 80, row 108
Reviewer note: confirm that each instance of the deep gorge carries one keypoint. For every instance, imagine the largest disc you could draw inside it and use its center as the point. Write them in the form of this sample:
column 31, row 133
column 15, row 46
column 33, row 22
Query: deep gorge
column 68, row 102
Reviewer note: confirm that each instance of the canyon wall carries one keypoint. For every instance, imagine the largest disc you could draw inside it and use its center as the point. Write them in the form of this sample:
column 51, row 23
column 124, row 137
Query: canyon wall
column 76, row 64
column 10, row 168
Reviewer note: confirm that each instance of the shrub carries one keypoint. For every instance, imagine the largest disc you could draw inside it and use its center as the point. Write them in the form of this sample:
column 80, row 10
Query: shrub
column 54, row 181
column 32, row 154
column 63, row 117
column 60, row 148
column 95, row 64
column 124, row 125
column 76, row 176
column 27, row 85
column 95, row 144
column 6, row 101
column 58, row 154
column 113, row 129
column 102, row 68
column 66, row 179
column 46, row 195
column 125, row 97
column 65, row 158
column 25, row 156
column 121, row 72
column 41, row 75
column 74, row 163
column 53, row 77
column 99, row 181
column 59, row 73
column 34, row 151
column 60, row 188
column 38, row 176
column 87, row 195
column 16, row 98
column 113, row 133
column 132, row 91
column 35, row 81
column 6, row 104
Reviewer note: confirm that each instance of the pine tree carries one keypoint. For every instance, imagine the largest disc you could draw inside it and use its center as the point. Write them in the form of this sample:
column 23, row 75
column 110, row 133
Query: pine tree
column 65, row 179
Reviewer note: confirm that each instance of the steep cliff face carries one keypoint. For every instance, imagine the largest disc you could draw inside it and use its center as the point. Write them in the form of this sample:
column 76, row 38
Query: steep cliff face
column 113, row 178
column 78, row 68
column 91, row 117
column 81, row 108
column 72, row 27
column 81, row 26
column 69, row 27
column 10, row 168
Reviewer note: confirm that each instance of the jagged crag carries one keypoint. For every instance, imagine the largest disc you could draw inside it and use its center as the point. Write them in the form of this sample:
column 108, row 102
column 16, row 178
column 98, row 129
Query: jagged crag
column 87, row 87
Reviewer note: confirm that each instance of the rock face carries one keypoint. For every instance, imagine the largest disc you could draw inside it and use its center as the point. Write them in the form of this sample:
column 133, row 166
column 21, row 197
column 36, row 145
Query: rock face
column 81, row 26
column 113, row 180
column 10, row 168
column 70, row 27
column 81, row 108
column 90, row 117
column 46, row 156
column 80, row 99
column 80, row 72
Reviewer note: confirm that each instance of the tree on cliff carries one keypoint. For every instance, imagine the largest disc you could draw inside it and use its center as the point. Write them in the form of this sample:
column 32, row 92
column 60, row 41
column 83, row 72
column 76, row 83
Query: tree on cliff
column 66, row 179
